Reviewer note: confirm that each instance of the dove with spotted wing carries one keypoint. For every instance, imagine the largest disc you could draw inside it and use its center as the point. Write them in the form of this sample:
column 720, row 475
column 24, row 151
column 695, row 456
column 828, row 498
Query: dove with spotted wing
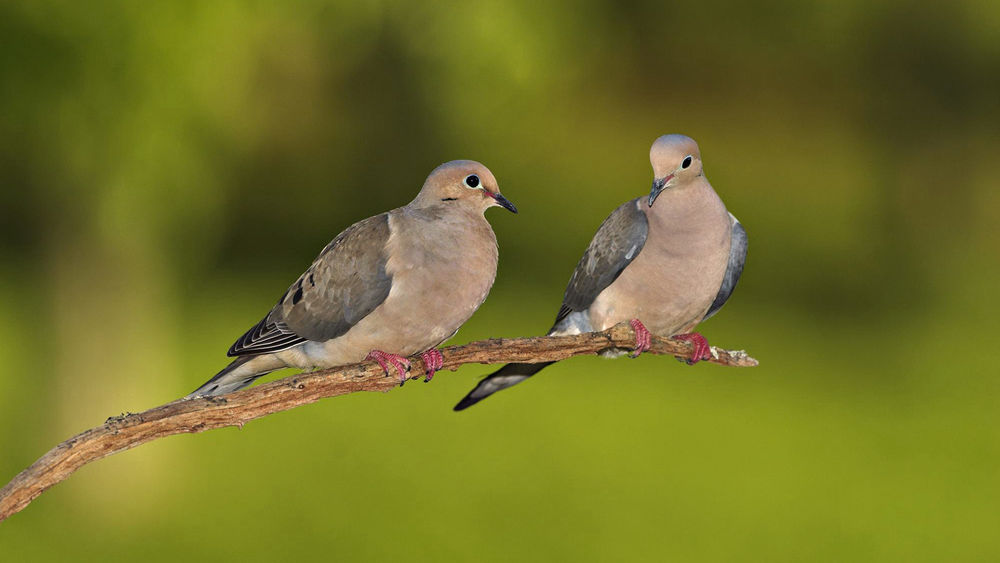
column 387, row 287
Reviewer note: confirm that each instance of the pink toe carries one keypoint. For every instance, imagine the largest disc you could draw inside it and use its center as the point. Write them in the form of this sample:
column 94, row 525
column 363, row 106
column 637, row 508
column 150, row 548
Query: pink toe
column 433, row 361
column 643, row 338
column 700, row 348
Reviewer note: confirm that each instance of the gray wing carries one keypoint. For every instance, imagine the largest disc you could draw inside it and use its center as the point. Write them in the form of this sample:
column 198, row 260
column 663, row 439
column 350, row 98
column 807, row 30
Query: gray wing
column 345, row 283
column 737, row 256
column 617, row 242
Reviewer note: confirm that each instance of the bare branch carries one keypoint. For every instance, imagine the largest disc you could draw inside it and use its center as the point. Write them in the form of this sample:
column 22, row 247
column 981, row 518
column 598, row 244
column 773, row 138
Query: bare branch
column 197, row 415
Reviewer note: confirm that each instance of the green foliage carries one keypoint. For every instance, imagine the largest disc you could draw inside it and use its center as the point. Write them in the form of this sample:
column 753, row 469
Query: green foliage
column 166, row 169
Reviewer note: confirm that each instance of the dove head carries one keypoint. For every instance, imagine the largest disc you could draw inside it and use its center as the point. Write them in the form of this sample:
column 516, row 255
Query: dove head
column 464, row 183
column 676, row 163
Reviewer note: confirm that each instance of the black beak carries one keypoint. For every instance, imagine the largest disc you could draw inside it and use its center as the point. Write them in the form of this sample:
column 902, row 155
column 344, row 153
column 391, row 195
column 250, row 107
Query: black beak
column 658, row 185
column 504, row 202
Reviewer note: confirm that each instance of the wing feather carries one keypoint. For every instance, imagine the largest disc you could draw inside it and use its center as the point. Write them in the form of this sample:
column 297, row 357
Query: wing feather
column 617, row 242
column 345, row 283
column 734, row 268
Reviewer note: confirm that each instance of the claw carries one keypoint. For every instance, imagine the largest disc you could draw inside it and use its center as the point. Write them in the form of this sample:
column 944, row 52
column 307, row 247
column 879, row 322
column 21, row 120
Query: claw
column 702, row 351
column 433, row 361
column 643, row 338
column 385, row 359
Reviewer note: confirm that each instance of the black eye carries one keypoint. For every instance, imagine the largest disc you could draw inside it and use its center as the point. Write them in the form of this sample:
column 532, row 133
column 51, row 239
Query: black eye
column 687, row 162
column 472, row 181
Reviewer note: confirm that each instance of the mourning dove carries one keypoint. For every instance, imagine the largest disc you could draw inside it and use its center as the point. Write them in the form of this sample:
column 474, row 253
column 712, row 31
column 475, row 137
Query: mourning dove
column 387, row 287
column 663, row 267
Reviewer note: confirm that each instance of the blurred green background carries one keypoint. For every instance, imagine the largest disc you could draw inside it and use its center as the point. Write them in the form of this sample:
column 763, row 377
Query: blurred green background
column 167, row 168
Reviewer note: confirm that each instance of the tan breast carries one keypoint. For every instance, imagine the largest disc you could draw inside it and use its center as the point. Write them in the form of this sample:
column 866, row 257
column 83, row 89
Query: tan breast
column 675, row 278
column 442, row 267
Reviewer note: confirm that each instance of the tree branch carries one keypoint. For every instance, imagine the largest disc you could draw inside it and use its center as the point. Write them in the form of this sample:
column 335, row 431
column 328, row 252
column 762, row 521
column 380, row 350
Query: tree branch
column 127, row 431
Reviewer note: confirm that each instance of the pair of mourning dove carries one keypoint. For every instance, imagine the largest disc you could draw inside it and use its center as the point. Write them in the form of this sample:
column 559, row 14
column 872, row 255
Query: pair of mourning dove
column 404, row 281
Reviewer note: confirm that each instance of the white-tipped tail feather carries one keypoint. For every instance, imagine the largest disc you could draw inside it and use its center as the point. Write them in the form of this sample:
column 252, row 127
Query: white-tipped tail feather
column 239, row 374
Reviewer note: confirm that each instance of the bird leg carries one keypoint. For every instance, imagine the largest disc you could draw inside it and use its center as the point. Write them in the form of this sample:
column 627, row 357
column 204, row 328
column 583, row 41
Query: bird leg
column 702, row 351
column 643, row 338
column 401, row 364
column 433, row 361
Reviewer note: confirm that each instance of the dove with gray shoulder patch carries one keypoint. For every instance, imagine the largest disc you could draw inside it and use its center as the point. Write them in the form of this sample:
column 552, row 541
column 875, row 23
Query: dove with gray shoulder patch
column 387, row 287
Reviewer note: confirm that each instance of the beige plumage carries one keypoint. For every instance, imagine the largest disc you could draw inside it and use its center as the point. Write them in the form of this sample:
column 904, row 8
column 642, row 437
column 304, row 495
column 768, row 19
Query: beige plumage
column 664, row 262
column 387, row 287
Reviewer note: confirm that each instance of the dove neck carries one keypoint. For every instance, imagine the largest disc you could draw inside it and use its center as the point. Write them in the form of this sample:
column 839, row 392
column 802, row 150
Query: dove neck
column 684, row 211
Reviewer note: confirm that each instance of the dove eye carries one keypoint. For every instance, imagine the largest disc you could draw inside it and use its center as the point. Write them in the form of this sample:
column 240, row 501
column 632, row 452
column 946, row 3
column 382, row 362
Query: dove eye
column 687, row 162
column 472, row 181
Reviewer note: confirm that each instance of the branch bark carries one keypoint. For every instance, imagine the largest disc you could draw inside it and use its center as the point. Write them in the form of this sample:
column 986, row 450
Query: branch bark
column 126, row 431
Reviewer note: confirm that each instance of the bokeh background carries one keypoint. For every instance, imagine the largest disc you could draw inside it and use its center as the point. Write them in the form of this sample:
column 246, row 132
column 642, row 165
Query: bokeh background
column 167, row 168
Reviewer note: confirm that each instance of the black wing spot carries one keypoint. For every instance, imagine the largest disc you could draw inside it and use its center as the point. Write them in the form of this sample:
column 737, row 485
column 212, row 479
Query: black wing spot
column 312, row 281
column 298, row 296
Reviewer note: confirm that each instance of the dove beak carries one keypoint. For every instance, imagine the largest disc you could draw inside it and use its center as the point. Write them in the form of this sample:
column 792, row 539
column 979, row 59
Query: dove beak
column 503, row 202
column 659, row 185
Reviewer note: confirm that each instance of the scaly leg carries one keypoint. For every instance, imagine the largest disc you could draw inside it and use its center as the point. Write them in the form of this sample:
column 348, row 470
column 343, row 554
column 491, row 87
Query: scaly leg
column 643, row 338
column 702, row 351
column 433, row 361
column 384, row 359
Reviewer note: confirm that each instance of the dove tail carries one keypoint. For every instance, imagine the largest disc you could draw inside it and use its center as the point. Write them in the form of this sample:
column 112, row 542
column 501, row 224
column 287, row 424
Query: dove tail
column 240, row 373
column 507, row 376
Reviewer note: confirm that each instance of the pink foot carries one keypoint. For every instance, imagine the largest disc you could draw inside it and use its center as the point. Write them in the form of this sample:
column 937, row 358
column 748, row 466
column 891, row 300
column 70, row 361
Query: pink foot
column 702, row 351
column 642, row 338
column 433, row 361
column 401, row 364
